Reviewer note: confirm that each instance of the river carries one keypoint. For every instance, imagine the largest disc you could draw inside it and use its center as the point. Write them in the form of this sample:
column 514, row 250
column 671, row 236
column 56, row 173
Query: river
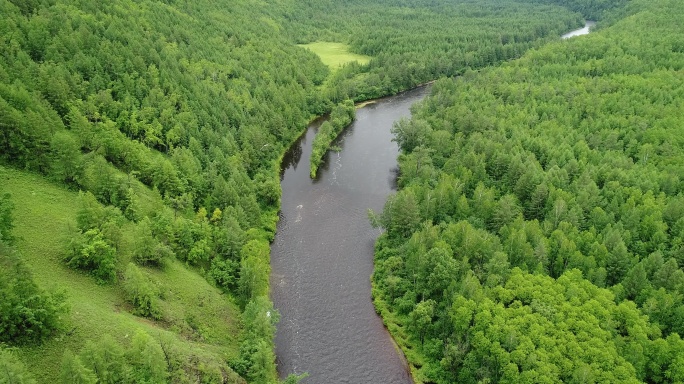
column 322, row 255
column 579, row 32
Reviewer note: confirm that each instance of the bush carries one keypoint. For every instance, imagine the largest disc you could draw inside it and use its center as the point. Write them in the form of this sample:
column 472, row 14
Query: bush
column 12, row 370
column 93, row 214
column 74, row 372
column 148, row 359
column 107, row 358
column 27, row 313
column 91, row 252
column 141, row 292
column 148, row 250
column 6, row 225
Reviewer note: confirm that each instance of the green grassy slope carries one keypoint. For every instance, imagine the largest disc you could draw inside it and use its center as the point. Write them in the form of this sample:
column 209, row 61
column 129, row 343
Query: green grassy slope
column 199, row 320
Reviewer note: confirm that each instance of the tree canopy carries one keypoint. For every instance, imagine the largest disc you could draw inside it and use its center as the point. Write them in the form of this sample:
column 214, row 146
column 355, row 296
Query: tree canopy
column 168, row 118
column 537, row 230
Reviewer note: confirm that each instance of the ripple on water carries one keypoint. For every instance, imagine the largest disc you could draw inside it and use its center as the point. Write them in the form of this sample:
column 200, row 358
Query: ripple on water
column 322, row 256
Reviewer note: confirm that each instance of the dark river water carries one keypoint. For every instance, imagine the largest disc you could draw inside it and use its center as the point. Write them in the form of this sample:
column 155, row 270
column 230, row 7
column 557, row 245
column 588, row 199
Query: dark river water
column 322, row 255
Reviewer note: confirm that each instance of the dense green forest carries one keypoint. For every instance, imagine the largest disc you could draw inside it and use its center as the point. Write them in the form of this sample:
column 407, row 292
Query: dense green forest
column 537, row 234
column 139, row 151
column 413, row 42
column 173, row 135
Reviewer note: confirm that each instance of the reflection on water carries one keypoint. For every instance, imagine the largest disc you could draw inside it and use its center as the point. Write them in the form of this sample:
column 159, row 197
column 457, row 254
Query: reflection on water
column 322, row 256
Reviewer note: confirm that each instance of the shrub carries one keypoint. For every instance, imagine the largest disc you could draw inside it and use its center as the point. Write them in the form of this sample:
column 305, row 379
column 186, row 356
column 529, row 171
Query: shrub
column 74, row 372
column 91, row 252
column 27, row 313
column 12, row 370
column 141, row 292
column 148, row 250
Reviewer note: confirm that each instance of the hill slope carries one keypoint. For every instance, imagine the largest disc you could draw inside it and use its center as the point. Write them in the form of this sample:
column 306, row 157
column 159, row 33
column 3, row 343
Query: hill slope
column 170, row 117
column 537, row 233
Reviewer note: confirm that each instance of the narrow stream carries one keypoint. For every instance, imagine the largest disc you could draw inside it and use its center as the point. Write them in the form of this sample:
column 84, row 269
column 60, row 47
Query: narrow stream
column 322, row 256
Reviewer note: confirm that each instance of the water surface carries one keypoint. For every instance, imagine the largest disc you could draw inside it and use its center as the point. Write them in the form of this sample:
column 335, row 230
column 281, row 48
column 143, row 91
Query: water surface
column 579, row 32
column 322, row 255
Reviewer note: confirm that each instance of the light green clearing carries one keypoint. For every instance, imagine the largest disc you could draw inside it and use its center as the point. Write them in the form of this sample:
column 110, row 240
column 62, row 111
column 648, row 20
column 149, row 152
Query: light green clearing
column 334, row 55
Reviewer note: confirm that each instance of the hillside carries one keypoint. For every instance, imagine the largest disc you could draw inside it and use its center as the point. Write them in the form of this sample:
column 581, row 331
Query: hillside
column 537, row 233
column 139, row 151
column 413, row 42
column 163, row 129
column 208, row 331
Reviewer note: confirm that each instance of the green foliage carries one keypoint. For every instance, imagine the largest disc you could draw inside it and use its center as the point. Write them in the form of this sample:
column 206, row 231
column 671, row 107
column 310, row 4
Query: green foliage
column 340, row 117
column 92, row 214
column 401, row 216
column 66, row 158
column 108, row 362
column 141, row 293
column 118, row 101
column 528, row 189
column 256, row 352
column 529, row 316
column 147, row 250
column 6, row 221
column 147, row 360
column 254, row 270
column 591, row 9
column 27, row 313
column 410, row 134
column 73, row 371
column 294, row 379
column 12, row 371
column 414, row 42
column 44, row 217
column 90, row 251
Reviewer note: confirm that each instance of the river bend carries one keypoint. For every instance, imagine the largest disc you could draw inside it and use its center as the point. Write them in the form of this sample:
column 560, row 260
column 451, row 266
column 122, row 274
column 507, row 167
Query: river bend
column 322, row 255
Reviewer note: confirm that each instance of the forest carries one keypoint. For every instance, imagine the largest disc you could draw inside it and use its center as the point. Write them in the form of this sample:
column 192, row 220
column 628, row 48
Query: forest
column 413, row 42
column 154, row 150
column 537, row 234
column 140, row 144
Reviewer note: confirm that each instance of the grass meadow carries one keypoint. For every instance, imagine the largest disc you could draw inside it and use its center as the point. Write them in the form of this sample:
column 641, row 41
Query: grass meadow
column 334, row 55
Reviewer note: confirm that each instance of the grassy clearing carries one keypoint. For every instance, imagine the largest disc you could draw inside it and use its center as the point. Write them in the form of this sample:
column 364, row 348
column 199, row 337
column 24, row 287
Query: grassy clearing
column 198, row 320
column 334, row 55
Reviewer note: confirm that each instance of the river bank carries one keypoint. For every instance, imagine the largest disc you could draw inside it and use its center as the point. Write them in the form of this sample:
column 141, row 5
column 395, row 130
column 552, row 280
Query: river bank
column 322, row 256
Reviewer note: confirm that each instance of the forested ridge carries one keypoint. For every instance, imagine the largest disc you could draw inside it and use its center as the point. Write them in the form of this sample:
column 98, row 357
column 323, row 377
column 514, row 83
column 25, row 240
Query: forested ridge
column 173, row 135
column 413, row 42
column 139, row 147
column 537, row 233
